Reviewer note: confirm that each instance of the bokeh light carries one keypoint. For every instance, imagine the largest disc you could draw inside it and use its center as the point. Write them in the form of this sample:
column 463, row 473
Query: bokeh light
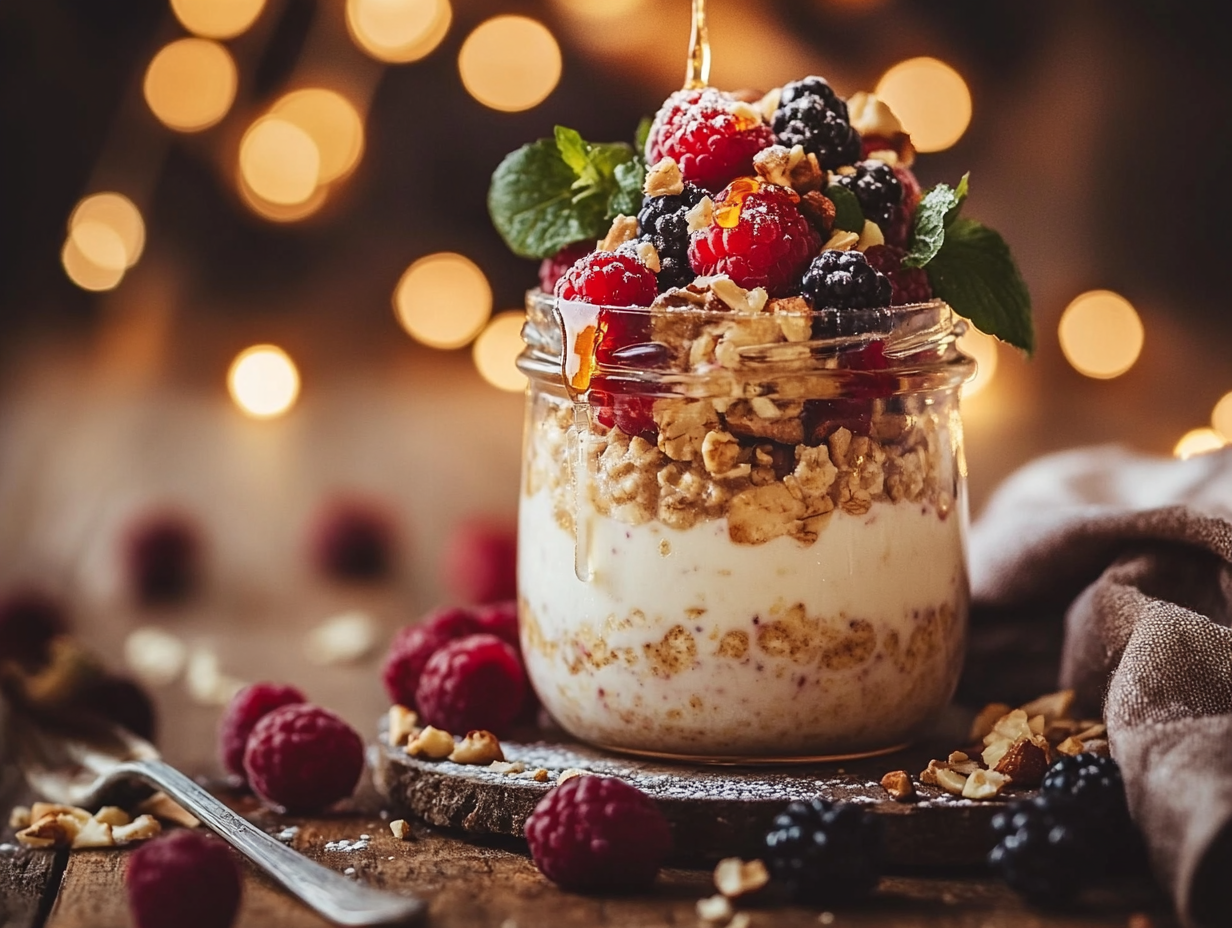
column 443, row 300
column 281, row 212
column 398, row 31
column 217, row 19
column 263, row 381
column 1221, row 416
column 1101, row 334
column 497, row 348
column 983, row 348
column 117, row 213
column 279, row 161
column 930, row 99
column 100, row 244
column 510, row 63
column 1198, row 441
column 190, row 84
column 606, row 9
column 85, row 273
column 332, row 122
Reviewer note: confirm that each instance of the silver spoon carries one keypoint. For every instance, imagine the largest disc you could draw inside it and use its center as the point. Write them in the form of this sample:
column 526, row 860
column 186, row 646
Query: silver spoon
column 81, row 770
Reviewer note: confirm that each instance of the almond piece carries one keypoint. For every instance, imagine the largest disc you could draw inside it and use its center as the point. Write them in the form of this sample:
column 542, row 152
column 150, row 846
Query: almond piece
column 734, row 877
column 950, row 781
column 984, row 784
column 1025, row 763
column 898, row 784
column 1052, row 706
column 400, row 829
column 1070, row 747
column 478, row 747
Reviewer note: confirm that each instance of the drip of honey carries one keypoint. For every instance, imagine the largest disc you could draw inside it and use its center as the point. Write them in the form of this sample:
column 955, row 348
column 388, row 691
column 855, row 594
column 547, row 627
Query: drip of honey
column 579, row 324
column 727, row 210
column 697, row 75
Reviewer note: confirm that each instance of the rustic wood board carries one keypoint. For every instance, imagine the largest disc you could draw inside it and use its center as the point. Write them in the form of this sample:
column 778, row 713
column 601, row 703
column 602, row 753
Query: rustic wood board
column 28, row 879
column 716, row 811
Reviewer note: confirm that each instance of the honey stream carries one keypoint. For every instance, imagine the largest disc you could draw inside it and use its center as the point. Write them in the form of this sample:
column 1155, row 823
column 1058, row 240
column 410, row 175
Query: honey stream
column 697, row 74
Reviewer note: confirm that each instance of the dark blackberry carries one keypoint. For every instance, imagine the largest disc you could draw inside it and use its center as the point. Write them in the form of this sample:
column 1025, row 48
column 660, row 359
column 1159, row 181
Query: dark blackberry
column 663, row 222
column 877, row 188
column 843, row 280
column 1094, row 783
column 1043, row 851
column 822, row 852
column 811, row 114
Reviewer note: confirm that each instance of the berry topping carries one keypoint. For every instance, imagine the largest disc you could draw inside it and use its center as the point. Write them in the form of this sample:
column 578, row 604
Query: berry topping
column 609, row 278
column 479, row 563
column 412, row 646
column 249, row 706
column 163, row 559
column 824, row 852
column 811, row 114
column 663, row 221
column 303, row 758
column 475, row 682
column 1095, row 782
column 844, row 280
column 899, row 230
column 757, row 237
column 1042, row 852
column 877, row 188
column 598, row 833
column 710, row 134
column 907, row 284
column 183, row 880
column 553, row 268
column 499, row 619
column 353, row 540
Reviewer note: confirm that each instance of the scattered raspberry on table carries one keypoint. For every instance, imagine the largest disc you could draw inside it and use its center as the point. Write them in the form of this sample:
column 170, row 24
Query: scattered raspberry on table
column 247, row 707
column 475, row 682
column 412, row 646
column 183, row 880
column 303, row 758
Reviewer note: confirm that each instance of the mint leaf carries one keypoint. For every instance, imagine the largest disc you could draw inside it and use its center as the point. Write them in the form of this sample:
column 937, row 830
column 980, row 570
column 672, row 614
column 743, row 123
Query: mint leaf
column 974, row 272
column 936, row 211
column 572, row 149
column 848, row 215
column 630, row 178
column 642, row 134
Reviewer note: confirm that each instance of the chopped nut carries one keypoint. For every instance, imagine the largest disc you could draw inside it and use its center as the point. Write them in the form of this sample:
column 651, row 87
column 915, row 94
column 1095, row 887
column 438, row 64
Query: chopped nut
column 988, row 717
column 432, row 743
column 701, row 215
column 950, row 781
column 142, row 828
column 819, row 210
column 623, row 229
column 1070, row 746
column 720, row 452
column 401, row 829
column 478, row 747
column 984, row 784
column 733, row 877
column 163, row 807
column 769, row 103
column 50, row 831
column 870, row 235
column 1098, row 730
column 539, row 776
column 649, row 256
column 841, row 240
column 1096, row 746
column 42, row 809
column 871, row 116
column 508, row 768
column 898, row 784
column 736, row 297
column 112, row 815
column 403, row 725
column 1051, row 706
column 570, row 773
column 664, row 179
column 928, row 776
column 19, row 817
column 1024, row 762
column 94, row 833
column 774, row 164
column 714, row 909
column 1036, row 724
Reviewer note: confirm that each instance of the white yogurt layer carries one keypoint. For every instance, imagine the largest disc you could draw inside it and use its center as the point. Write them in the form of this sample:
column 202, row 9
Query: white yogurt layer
column 684, row 642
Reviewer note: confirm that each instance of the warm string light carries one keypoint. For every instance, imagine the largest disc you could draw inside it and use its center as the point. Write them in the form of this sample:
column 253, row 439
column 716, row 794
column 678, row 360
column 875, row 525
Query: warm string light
column 190, row 84
column 982, row 348
column 1198, row 441
column 443, row 300
column 510, row 63
column 607, row 9
column 106, row 236
column 930, row 99
column 1221, row 416
column 1101, row 334
column 332, row 122
column 217, row 19
column 263, row 381
column 279, row 161
column 398, row 31
column 496, row 351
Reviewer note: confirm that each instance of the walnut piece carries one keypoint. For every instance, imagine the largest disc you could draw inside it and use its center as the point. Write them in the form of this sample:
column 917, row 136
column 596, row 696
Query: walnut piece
column 898, row 784
column 734, row 877
column 714, row 909
column 403, row 725
column 700, row 216
column 623, row 229
column 570, row 773
column 432, row 743
column 400, row 828
column 664, row 179
column 478, row 747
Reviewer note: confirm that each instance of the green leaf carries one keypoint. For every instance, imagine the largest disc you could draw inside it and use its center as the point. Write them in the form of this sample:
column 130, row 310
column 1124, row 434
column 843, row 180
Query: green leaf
column 848, row 215
column 630, row 178
column 936, row 211
column 642, row 134
column 975, row 273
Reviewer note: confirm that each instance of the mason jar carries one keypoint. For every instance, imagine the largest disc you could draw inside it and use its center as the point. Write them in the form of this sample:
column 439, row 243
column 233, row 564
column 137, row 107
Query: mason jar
column 742, row 528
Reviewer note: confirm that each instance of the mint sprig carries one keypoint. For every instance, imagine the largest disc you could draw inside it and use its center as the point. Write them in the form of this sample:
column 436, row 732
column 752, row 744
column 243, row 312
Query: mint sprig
column 848, row 215
column 937, row 209
column 554, row 192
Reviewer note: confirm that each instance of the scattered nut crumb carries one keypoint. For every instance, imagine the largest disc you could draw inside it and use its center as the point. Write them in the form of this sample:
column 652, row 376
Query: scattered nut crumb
column 507, row 767
column 142, row 828
column 570, row 773
column 403, row 725
column 714, row 909
column 540, row 775
column 1025, row 762
column 478, row 747
column 740, row 920
column 19, row 817
column 663, row 178
column 984, row 784
column 163, row 807
column 401, row 829
column 988, row 716
column 1070, row 746
column 734, row 877
column 112, row 815
column 898, row 784
column 432, row 743
column 950, row 781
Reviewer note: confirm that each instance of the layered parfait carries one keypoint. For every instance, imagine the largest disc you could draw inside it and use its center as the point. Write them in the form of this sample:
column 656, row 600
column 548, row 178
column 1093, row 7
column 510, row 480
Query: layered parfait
column 743, row 510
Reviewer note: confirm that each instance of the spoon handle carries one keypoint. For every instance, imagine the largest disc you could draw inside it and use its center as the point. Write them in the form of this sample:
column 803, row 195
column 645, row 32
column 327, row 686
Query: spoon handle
column 333, row 896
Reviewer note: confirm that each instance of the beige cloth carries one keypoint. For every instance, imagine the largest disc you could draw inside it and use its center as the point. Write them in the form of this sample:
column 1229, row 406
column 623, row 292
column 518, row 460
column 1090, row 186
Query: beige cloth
column 1141, row 551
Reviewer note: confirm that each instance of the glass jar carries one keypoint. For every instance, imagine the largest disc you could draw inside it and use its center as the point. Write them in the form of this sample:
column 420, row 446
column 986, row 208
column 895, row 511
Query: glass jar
column 742, row 532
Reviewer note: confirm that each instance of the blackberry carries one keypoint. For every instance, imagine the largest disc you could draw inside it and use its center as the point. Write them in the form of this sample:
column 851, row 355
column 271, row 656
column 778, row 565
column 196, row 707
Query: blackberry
column 811, row 114
column 663, row 222
column 1043, row 851
column 877, row 188
column 1095, row 784
column 822, row 852
column 844, row 280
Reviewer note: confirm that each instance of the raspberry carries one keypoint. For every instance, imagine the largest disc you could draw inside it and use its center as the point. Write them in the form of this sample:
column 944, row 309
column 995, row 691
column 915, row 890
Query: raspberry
column 811, row 114
column 499, row 619
column 609, row 278
column 247, row 707
column 899, row 230
column 303, row 758
column 598, row 833
column 844, row 280
column 163, row 560
column 28, row 622
column 758, row 237
column 663, row 222
column 474, row 682
column 353, row 540
column 413, row 645
column 825, row 852
column 183, row 880
column 877, row 188
column 480, row 561
column 707, row 137
column 553, row 268
column 907, row 284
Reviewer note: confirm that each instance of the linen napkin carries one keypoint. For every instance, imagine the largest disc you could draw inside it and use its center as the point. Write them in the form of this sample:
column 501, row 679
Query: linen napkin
column 1138, row 552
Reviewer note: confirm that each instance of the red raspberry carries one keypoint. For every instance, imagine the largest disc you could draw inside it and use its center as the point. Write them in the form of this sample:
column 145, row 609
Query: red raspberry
column 758, row 238
column 163, row 559
column 353, row 540
column 247, row 707
column 413, row 645
column 899, row 232
column 907, row 284
column 183, row 880
column 499, row 619
column 28, row 621
column 303, row 758
column 480, row 561
column 475, row 682
column 553, row 268
column 598, row 833
column 711, row 143
column 609, row 278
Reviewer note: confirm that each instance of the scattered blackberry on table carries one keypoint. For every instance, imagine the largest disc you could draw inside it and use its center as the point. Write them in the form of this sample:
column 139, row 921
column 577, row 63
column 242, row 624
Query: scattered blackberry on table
column 1043, row 851
column 475, row 682
column 845, row 280
column 758, row 237
column 824, row 852
column 710, row 135
column 907, row 284
column 811, row 114
column 609, row 278
column 877, row 188
column 596, row 833
column 303, row 758
column 183, row 880
column 1094, row 783
column 247, row 707
column 663, row 222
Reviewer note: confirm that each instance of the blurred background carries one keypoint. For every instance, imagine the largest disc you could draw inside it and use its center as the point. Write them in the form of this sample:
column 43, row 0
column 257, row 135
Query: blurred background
column 257, row 398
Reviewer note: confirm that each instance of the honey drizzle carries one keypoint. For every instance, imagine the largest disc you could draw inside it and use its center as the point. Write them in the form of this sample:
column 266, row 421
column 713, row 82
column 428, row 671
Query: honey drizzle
column 727, row 210
column 697, row 75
